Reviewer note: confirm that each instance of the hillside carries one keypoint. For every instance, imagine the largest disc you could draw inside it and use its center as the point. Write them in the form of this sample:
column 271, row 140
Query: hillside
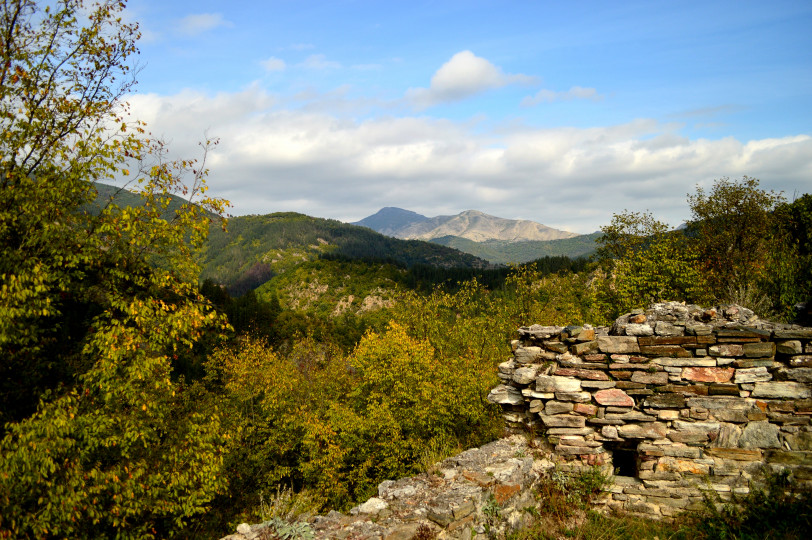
column 498, row 252
column 255, row 248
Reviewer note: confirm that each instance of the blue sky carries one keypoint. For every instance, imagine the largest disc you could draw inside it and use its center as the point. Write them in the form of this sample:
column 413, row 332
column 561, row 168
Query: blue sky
column 559, row 112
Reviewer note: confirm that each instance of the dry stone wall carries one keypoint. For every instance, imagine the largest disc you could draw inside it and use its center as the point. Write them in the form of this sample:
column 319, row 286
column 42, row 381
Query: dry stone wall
column 674, row 400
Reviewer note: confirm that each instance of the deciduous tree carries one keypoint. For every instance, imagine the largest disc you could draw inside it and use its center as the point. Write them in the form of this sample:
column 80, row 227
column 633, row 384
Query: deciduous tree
column 97, row 438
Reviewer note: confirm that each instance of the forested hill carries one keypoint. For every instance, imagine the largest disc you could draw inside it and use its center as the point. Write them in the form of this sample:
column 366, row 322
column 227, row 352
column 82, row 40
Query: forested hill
column 499, row 252
column 254, row 248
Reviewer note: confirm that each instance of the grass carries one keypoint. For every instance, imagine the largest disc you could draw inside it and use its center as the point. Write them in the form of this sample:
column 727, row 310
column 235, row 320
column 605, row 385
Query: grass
column 779, row 510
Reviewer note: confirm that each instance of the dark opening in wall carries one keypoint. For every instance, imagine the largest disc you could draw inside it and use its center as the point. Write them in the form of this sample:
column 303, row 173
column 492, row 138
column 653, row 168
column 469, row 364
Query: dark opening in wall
column 624, row 458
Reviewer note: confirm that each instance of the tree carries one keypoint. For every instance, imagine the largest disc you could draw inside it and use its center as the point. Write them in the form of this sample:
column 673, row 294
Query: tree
column 733, row 227
column 646, row 262
column 93, row 306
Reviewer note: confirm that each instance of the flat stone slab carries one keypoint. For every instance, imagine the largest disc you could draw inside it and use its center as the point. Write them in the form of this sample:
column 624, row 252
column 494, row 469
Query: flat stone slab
column 614, row 397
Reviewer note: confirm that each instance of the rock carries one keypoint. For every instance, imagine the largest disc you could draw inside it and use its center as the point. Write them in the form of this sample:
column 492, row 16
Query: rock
column 505, row 395
column 790, row 390
column 751, row 375
column 760, row 435
column 639, row 330
column 707, row 374
column 525, row 375
column 618, row 344
column 372, row 506
column 614, row 397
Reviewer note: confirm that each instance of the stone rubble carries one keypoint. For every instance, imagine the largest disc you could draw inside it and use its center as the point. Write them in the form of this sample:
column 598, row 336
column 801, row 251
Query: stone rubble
column 453, row 501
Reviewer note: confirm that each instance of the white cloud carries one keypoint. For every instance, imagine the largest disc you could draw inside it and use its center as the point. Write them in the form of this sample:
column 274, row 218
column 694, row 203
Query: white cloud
column 272, row 159
column 464, row 75
column 195, row 24
column 549, row 96
column 319, row 61
column 273, row 64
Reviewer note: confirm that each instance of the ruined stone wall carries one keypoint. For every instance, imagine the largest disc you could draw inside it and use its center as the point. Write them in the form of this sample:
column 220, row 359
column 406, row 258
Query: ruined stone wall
column 674, row 399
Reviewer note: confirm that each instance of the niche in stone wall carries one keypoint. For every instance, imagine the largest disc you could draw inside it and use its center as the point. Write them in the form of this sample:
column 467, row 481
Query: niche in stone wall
column 624, row 457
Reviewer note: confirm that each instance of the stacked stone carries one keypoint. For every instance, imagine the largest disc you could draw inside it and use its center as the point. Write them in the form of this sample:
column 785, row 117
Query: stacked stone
column 691, row 394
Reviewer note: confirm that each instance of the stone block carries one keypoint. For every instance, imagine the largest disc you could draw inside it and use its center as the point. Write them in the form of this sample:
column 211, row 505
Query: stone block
column 563, row 420
column 586, row 409
column 726, row 349
column 718, row 402
column 663, row 328
column 789, row 347
column 505, row 395
column 597, row 385
column 799, row 333
column 649, row 430
column 751, row 375
column 639, row 330
column 707, row 374
column 801, row 374
column 581, row 397
column 723, row 390
column 584, row 348
column 614, row 397
column 665, row 401
column 759, row 350
column 618, row 344
column 666, row 350
column 556, row 346
column 778, row 390
column 760, row 435
column 589, row 374
column 527, row 355
column 735, row 454
column 558, row 407
column 525, row 375
column 660, row 377
column 685, row 362
column 804, row 360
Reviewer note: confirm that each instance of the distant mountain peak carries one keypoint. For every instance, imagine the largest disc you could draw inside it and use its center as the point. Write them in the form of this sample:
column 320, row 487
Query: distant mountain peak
column 471, row 224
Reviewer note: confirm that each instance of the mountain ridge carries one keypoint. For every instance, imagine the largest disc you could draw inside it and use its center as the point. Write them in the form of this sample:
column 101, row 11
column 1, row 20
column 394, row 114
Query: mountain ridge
column 472, row 225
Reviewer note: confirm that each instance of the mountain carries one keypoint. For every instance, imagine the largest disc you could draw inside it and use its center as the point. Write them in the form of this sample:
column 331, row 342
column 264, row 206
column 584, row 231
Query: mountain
column 471, row 224
column 497, row 240
column 256, row 248
column 498, row 252
column 390, row 220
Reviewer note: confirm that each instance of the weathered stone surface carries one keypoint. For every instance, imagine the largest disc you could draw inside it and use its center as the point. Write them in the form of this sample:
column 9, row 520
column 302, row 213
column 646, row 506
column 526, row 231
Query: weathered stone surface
column 614, row 397
column 563, row 420
column 639, row 330
column 558, row 407
column 556, row 346
column 540, row 332
column 618, row 344
column 505, row 395
column 760, row 435
column 644, row 377
column 708, row 374
column 527, row 355
column 584, row 348
column 649, row 430
column 798, row 333
column 759, row 350
column 589, row 374
column 727, row 349
column 665, row 350
column 665, row 401
column 751, row 375
column 554, row 383
column 721, row 402
column 802, row 375
column 663, row 328
column 685, row 362
column 525, row 375
column 586, row 409
column 573, row 396
column 804, row 360
column 789, row 347
column 775, row 389
column 736, row 454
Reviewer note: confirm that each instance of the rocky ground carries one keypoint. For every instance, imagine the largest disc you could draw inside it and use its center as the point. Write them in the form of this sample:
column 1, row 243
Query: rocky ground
column 478, row 491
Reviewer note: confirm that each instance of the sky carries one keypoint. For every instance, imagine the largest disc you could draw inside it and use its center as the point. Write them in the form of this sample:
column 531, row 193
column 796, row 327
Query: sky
column 563, row 113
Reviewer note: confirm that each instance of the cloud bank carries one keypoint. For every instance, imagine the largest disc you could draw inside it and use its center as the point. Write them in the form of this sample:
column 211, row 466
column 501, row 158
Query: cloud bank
column 193, row 25
column 275, row 157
